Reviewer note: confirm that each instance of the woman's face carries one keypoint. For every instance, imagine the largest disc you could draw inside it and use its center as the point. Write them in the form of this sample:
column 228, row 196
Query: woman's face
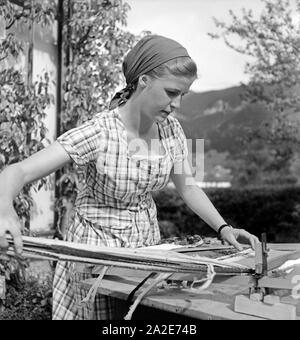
column 162, row 96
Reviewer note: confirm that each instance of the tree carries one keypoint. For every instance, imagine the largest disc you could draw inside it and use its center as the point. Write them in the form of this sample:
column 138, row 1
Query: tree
column 215, row 166
column 258, row 164
column 23, row 102
column 272, row 41
column 94, row 46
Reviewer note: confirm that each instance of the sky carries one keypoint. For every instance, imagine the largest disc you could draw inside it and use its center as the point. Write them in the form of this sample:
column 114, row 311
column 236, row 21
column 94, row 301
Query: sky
column 188, row 22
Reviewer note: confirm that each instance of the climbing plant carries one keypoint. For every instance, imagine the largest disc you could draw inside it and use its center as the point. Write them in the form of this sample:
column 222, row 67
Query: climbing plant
column 95, row 42
column 23, row 101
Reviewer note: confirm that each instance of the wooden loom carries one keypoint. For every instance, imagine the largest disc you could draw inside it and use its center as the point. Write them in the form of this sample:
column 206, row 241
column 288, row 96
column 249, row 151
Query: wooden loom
column 274, row 280
column 274, row 289
column 266, row 279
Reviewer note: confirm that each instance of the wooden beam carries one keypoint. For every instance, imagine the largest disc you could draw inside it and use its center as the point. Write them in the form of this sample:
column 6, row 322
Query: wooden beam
column 206, row 305
column 137, row 258
column 278, row 311
column 276, row 283
column 279, row 259
column 261, row 254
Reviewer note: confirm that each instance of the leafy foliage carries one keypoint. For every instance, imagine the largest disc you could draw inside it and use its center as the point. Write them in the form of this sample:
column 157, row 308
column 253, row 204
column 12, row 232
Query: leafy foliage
column 29, row 300
column 28, row 296
column 94, row 46
column 261, row 163
column 23, row 104
column 272, row 43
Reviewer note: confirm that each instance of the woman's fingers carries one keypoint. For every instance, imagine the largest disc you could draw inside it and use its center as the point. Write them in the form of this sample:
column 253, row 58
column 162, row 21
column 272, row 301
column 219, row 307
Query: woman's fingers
column 245, row 236
column 228, row 235
column 3, row 243
column 233, row 235
column 17, row 236
column 13, row 227
column 254, row 240
column 232, row 240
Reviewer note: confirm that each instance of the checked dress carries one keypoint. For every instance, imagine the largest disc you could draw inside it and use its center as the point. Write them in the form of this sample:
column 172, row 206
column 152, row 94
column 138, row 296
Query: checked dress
column 115, row 208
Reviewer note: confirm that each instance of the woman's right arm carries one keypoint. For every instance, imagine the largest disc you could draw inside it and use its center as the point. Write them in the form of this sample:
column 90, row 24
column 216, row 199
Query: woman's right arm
column 12, row 180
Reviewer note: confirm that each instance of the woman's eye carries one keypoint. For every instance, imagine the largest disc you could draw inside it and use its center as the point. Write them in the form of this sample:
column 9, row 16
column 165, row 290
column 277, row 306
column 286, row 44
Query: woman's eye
column 172, row 94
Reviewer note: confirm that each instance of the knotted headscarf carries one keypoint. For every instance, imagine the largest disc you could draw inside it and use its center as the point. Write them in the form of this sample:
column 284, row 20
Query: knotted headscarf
column 149, row 53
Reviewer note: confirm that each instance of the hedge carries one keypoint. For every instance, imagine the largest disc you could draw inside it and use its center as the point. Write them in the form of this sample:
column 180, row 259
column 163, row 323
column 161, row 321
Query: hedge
column 274, row 210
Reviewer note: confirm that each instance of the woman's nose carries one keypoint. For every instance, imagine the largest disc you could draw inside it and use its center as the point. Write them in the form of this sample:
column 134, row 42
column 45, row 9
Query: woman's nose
column 176, row 102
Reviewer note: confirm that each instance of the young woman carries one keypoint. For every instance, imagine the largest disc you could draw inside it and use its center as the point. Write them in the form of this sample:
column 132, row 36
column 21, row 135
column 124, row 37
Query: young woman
column 128, row 151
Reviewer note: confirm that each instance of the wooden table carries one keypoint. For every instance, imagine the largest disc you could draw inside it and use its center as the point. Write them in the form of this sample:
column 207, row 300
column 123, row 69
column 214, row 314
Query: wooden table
column 217, row 302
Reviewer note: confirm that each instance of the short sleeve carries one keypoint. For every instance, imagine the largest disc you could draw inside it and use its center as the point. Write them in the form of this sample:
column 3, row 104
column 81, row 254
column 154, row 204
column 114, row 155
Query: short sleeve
column 83, row 143
column 180, row 148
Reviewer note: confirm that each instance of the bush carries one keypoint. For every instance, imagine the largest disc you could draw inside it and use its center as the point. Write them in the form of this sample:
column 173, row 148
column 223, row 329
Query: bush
column 28, row 300
column 274, row 210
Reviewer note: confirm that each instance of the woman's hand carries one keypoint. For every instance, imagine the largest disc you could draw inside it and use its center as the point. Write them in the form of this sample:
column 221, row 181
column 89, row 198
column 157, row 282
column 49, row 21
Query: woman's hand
column 10, row 223
column 234, row 235
column 14, row 177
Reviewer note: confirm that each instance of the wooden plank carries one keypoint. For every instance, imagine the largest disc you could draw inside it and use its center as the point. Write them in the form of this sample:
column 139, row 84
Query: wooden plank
column 280, row 311
column 216, row 302
column 259, row 260
column 284, row 246
column 275, row 258
column 141, row 274
column 163, row 261
column 202, row 248
column 280, row 279
column 276, row 283
column 291, row 301
column 205, row 305
column 278, row 259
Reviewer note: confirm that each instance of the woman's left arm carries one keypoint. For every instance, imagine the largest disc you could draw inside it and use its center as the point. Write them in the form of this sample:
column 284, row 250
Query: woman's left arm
column 197, row 200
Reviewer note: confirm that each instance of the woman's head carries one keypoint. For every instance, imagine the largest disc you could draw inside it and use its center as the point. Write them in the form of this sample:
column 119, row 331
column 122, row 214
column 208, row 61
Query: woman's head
column 155, row 58
column 179, row 67
column 160, row 91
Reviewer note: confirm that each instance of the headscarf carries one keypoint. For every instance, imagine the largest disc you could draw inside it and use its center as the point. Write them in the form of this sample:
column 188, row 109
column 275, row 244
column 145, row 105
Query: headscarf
column 149, row 53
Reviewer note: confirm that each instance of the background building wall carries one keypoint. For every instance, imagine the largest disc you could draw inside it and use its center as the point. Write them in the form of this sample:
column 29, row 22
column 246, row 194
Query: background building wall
column 44, row 60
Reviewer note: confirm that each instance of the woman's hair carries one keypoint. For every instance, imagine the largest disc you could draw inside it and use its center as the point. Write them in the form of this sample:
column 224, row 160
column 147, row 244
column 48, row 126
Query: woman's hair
column 180, row 66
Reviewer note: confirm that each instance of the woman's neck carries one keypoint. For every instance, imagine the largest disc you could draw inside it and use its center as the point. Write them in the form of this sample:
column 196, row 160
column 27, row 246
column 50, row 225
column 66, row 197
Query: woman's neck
column 133, row 118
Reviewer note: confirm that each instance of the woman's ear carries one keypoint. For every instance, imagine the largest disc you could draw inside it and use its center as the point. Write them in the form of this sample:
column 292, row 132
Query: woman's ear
column 143, row 80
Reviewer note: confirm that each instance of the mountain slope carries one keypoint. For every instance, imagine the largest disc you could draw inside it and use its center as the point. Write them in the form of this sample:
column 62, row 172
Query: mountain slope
column 220, row 117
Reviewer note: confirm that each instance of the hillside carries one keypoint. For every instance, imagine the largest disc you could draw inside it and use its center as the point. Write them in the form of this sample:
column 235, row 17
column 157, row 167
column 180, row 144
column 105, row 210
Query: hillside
column 220, row 117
